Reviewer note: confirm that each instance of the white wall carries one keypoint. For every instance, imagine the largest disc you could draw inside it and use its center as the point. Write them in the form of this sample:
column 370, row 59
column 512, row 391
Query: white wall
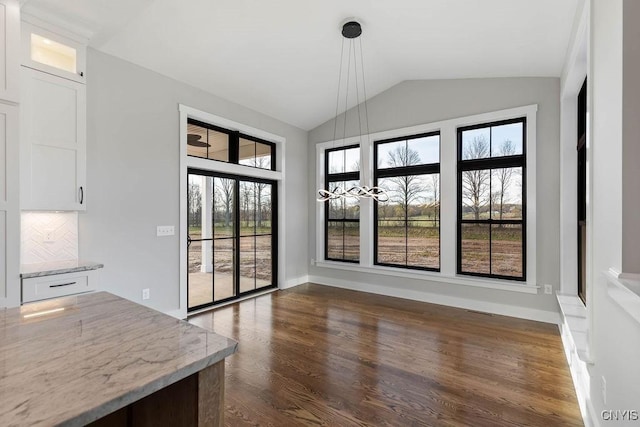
column 616, row 336
column 417, row 102
column 631, row 136
column 133, row 182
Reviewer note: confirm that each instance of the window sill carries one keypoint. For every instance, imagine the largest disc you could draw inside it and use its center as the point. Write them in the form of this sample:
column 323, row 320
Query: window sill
column 503, row 285
column 625, row 292
column 574, row 319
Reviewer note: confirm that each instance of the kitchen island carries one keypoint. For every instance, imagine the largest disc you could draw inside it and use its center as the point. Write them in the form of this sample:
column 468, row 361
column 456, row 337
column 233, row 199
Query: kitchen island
column 99, row 359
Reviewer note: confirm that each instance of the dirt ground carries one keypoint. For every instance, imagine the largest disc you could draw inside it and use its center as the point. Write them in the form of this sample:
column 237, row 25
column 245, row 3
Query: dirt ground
column 223, row 249
column 424, row 252
column 507, row 257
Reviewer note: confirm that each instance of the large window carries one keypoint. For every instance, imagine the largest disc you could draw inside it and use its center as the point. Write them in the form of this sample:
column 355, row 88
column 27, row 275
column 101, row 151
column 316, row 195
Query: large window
column 491, row 198
column 407, row 226
column 342, row 224
column 461, row 202
column 215, row 143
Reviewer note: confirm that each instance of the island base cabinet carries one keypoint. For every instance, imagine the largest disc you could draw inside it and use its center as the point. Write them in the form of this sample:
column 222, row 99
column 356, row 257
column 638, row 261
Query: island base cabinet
column 197, row 400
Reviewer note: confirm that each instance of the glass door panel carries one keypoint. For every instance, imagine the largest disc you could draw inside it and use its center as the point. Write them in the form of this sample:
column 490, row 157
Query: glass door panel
column 264, row 261
column 231, row 247
column 224, row 260
column 199, row 240
column 247, row 264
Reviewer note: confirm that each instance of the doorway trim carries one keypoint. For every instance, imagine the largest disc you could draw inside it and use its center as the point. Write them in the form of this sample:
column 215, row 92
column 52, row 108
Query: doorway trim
column 185, row 113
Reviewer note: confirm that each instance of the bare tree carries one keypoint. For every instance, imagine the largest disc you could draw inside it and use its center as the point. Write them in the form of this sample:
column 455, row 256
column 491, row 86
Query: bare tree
column 263, row 162
column 475, row 183
column 504, row 176
column 223, row 190
column 247, row 192
column 194, row 202
column 407, row 188
column 435, row 189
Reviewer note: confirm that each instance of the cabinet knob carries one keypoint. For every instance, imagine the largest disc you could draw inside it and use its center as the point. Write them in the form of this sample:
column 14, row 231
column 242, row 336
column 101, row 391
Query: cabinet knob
column 81, row 73
column 81, row 195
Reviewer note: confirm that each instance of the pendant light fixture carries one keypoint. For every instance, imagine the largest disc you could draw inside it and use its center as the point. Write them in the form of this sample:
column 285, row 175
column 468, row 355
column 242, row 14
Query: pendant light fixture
column 352, row 31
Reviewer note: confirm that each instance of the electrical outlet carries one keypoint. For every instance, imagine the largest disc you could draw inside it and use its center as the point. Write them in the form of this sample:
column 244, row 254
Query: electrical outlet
column 604, row 390
column 313, row 261
column 49, row 236
column 165, row 230
column 146, row 293
column 548, row 289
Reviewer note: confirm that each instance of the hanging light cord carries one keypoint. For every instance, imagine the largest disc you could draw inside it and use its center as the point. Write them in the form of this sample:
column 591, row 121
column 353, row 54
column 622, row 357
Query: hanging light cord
column 335, row 122
column 376, row 193
column 364, row 90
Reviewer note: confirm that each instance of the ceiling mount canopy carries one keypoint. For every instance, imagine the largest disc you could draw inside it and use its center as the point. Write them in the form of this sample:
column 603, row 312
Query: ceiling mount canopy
column 352, row 30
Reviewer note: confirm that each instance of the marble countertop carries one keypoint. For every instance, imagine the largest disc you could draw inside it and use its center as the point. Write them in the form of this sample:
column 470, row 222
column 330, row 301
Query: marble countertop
column 73, row 360
column 56, row 267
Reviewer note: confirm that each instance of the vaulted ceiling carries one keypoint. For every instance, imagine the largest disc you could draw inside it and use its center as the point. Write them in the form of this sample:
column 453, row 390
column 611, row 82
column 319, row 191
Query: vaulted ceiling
column 281, row 57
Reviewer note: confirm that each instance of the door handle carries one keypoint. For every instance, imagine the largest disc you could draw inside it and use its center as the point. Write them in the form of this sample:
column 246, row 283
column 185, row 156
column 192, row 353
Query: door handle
column 62, row 284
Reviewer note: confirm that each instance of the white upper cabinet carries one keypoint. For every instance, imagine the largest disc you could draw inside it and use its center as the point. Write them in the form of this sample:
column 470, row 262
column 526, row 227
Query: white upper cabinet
column 51, row 53
column 10, row 46
column 53, row 142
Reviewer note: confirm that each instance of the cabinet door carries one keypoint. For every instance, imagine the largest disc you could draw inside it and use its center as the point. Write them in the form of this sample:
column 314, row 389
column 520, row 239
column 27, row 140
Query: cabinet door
column 9, row 209
column 53, row 129
column 52, row 53
column 10, row 45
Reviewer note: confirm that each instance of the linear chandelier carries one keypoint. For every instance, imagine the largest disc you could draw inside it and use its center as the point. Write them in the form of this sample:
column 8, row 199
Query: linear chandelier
column 350, row 32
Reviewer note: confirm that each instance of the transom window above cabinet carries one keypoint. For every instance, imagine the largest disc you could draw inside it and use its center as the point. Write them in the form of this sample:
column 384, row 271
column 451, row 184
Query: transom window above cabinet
column 48, row 51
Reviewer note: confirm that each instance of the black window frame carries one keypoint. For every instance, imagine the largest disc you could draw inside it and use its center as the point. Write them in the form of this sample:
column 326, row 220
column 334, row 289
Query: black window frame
column 234, row 144
column 338, row 177
column 425, row 169
column 581, row 220
column 490, row 163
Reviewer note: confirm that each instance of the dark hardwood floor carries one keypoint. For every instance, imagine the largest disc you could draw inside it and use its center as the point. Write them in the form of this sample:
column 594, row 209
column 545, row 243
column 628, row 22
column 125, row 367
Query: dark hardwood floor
column 317, row 355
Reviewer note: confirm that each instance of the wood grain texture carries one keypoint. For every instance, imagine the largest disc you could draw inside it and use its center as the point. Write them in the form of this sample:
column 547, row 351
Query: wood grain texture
column 175, row 405
column 195, row 401
column 317, row 355
column 211, row 395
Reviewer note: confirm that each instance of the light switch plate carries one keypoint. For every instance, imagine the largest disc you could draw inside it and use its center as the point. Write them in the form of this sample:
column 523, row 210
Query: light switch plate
column 165, row 230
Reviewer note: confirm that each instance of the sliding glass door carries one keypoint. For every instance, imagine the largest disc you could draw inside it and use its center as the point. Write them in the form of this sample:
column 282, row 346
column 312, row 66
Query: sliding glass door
column 231, row 237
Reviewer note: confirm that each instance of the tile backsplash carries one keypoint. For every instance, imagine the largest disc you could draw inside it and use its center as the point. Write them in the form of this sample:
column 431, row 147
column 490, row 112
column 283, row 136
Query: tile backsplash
column 48, row 236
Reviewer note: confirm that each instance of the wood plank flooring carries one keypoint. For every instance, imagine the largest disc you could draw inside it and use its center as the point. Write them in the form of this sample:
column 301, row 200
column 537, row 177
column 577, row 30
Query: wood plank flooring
column 318, row 355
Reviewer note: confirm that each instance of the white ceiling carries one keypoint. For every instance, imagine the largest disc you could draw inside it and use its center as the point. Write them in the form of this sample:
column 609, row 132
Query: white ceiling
column 281, row 57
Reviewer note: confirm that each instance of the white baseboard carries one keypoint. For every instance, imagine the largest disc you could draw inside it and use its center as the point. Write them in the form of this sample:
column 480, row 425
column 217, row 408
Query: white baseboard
column 468, row 304
column 178, row 314
column 291, row 283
